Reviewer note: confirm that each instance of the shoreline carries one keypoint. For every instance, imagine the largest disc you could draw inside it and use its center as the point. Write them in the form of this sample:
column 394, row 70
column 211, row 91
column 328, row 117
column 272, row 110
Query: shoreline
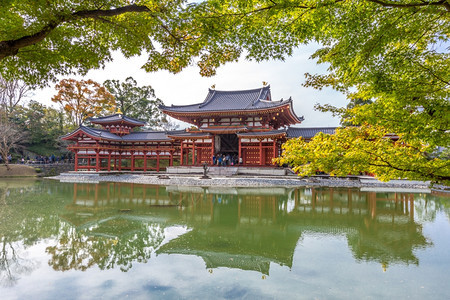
column 248, row 181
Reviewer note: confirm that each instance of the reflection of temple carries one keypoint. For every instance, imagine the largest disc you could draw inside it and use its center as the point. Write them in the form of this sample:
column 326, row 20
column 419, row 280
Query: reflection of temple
column 250, row 228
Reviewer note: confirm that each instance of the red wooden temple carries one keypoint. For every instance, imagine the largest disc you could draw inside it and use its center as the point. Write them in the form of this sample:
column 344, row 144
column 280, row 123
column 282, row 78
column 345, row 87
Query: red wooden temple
column 246, row 126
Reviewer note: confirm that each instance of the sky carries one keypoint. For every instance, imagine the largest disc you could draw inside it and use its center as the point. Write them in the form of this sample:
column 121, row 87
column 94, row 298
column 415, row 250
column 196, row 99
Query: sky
column 188, row 87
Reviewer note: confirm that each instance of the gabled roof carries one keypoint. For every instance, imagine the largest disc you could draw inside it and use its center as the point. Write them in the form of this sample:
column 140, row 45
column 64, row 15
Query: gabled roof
column 94, row 133
column 115, row 119
column 146, row 136
column 231, row 100
column 132, row 137
column 308, row 133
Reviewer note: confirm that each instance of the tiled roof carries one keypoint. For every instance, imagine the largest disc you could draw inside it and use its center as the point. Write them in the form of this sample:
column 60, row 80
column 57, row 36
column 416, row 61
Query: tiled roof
column 116, row 118
column 231, row 100
column 231, row 129
column 307, row 133
column 146, row 136
column 262, row 133
column 184, row 134
column 101, row 133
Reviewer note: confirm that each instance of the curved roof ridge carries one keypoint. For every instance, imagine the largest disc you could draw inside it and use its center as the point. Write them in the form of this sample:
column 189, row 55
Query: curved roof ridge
column 208, row 98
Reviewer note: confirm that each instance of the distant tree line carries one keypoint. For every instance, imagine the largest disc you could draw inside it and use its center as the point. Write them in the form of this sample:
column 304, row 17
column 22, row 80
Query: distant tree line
column 30, row 126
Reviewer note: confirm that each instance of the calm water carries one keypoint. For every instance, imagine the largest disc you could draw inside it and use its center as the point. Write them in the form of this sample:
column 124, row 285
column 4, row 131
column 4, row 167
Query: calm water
column 113, row 241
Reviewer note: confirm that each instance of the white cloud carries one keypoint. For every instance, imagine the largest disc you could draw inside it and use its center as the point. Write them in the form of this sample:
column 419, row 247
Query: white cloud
column 187, row 87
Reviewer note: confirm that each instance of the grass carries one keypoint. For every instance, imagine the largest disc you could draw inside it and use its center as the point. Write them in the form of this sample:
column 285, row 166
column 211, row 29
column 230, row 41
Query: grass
column 17, row 171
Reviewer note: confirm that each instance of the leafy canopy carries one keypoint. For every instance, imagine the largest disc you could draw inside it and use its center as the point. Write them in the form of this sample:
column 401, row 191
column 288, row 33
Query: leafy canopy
column 394, row 53
column 83, row 99
column 137, row 102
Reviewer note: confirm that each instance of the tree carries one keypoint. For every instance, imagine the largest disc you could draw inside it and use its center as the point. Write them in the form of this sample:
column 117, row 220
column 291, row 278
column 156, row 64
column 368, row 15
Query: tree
column 353, row 150
column 10, row 138
column 40, row 40
column 137, row 102
column 392, row 52
column 43, row 125
column 11, row 94
column 83, row 99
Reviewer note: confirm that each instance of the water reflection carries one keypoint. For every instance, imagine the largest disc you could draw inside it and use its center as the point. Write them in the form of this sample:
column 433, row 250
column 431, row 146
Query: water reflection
column 241, row 228
column 114, row 225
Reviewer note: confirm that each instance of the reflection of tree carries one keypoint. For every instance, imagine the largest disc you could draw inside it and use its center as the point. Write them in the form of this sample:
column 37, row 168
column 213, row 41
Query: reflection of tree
column 28, row 215
column 11, row 263
column 82, row 249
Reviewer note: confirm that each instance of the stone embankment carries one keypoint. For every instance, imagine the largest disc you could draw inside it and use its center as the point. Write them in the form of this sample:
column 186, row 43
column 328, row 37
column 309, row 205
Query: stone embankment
column 241, row 181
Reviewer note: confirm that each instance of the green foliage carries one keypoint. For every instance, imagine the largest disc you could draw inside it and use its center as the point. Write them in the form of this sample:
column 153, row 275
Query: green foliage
column 394, row 53
column 137, row 102
column 42, row 125
column 355, row 150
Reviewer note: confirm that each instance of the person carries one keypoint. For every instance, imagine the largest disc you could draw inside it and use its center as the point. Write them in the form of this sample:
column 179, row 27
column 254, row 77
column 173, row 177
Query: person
column 214, row 159
column 240, row 160
column 220, row 160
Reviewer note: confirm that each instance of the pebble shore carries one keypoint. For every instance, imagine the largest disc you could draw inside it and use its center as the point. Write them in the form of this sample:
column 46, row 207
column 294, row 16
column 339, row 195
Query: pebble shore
column 237, row 181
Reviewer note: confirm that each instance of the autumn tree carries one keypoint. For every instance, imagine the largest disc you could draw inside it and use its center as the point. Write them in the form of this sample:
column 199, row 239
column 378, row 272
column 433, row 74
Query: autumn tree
column 83, row 99
column 137, row 102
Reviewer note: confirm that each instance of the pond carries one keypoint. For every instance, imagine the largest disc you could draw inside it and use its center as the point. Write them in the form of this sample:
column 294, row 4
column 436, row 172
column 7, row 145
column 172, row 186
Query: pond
column 116, row 240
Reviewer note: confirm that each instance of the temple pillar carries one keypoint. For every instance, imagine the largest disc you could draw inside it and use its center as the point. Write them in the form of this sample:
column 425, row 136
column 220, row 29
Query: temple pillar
column 97, row 160
column 240, row 151
column 181, row 153
column 274, row 149
column 145, row 160
column 109, row 160
column 132, row 160
column 171, row 158
column 76, row 159
column 157, row 160
column 213, row 146
column 193, row 152
column 260, row 153
column 120, row 160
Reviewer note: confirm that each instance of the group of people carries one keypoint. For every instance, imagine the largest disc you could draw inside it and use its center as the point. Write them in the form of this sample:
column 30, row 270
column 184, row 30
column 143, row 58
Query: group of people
column 226, row 160
column 39, row 159
column 9, row 159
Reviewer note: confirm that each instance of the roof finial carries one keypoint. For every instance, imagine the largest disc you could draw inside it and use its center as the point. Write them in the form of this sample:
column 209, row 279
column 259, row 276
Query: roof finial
column 119, row 111
column 265, row 83
column 213, row 87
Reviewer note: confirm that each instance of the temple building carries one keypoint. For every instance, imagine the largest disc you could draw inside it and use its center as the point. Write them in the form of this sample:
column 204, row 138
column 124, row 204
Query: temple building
column 246, row 127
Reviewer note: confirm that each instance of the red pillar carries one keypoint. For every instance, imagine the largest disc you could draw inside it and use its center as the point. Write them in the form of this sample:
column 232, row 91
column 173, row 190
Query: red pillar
column 181, row 154
column 240, row 150
column 132, row 160
column 260, row 153
column 120, row 160
column 97, row 160
column 213, row 145
column 109, row 160
column 157, row 160
column 193, row 152
column 171, row 158
column 274, row 148
column 76, row 160
column 145, row 161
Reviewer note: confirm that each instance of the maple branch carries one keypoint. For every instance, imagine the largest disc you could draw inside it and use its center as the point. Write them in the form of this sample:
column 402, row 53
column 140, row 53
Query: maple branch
column 12, row 47
column 443, row 3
